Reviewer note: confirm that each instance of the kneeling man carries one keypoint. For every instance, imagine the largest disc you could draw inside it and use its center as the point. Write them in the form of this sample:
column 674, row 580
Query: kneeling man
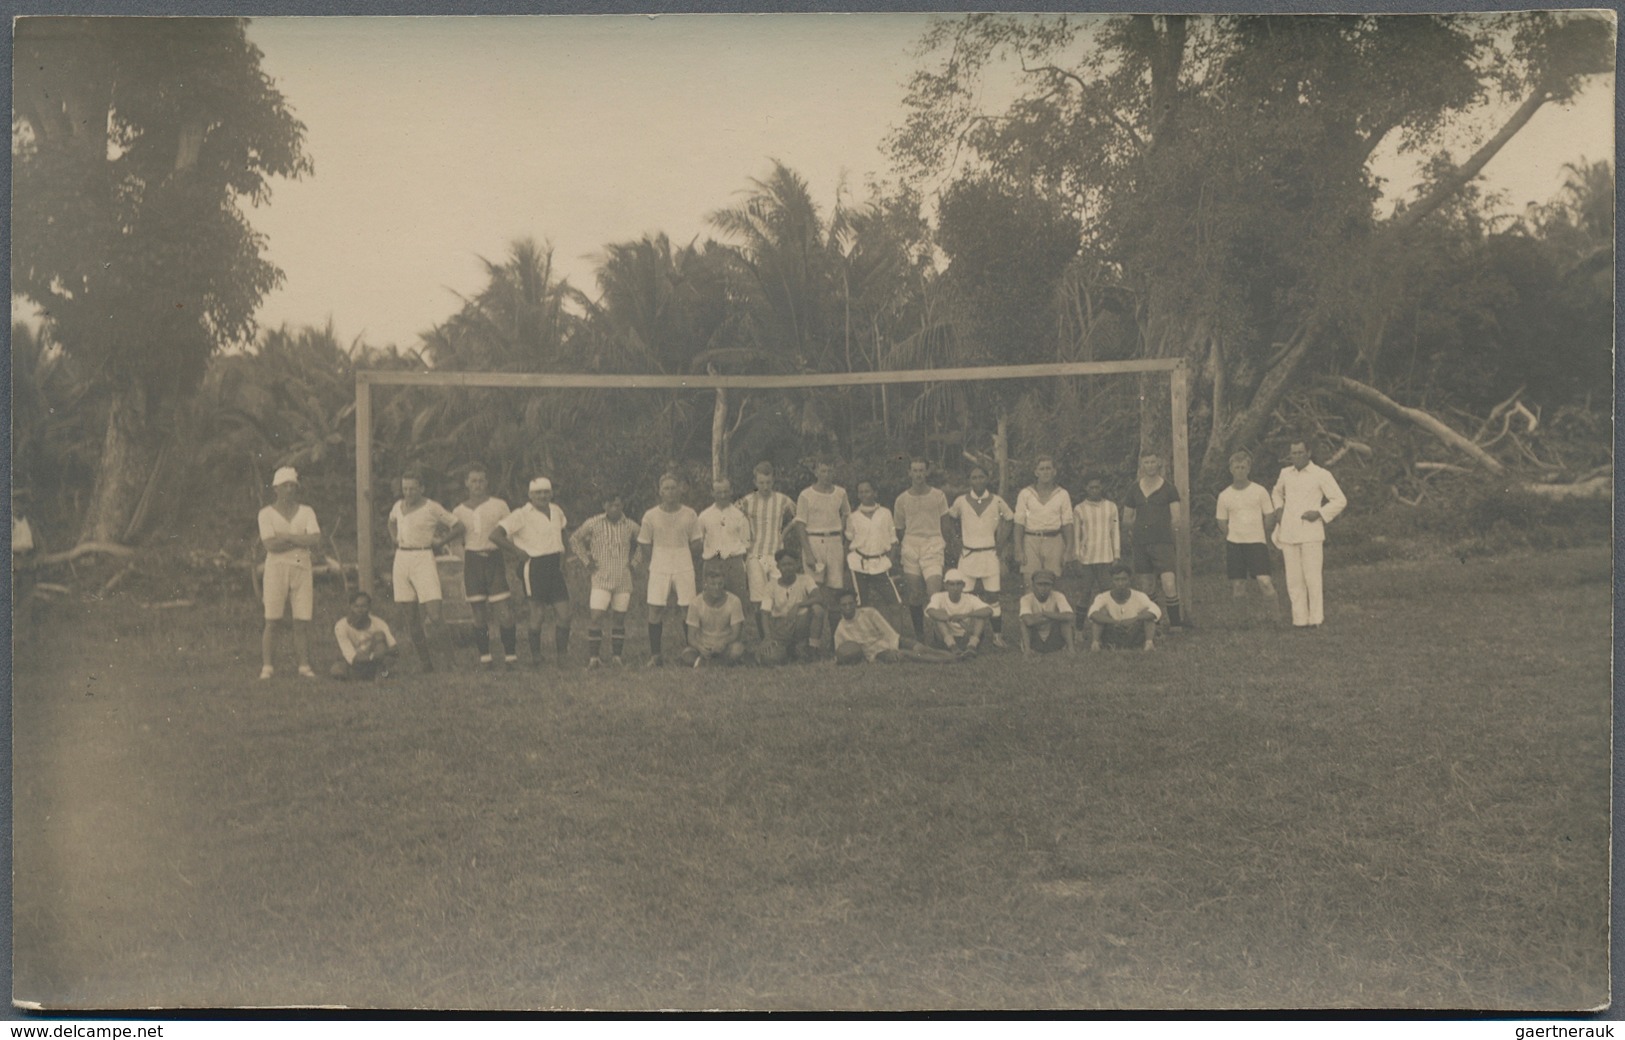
column 716, row 623
column 366, row 643
column 1125, row 617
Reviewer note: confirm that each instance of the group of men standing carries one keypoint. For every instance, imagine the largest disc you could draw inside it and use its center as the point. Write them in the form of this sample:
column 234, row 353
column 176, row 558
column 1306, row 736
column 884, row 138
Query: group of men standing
column 817, row 576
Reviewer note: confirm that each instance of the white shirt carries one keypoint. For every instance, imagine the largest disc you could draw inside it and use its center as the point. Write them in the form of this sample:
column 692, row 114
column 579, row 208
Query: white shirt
column 416, row 530
column 1099, row 531
column 536, row 533
column 1298, row 491
column 1244, row 509
column 669, row 536
column 351, row 638
column 478, row 521
column 725, row 532
column 920, row 516
column 274, row 525
column 980, row 530
column 1137, row 601
column 1037, row 517
column 872, row 535
column 782, row 599
column 823, row 512
column 968, row 604
column 1051, row 608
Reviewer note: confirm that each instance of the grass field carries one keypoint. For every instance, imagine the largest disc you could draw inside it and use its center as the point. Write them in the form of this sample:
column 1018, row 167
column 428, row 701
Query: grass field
column 1407, row 809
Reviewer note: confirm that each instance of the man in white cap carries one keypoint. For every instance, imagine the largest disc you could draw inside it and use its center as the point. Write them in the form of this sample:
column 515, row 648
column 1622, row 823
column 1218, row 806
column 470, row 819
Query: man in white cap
column 960, row 617
column 419, row 526
column 289, row 533
column 535, row 531
column 1308, row 499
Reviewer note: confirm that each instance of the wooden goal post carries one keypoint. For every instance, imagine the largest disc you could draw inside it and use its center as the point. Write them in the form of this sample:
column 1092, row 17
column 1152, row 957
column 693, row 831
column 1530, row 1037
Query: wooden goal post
column 366, row 379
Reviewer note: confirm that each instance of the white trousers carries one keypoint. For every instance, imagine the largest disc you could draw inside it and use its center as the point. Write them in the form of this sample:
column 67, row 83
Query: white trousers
column 1303, row 587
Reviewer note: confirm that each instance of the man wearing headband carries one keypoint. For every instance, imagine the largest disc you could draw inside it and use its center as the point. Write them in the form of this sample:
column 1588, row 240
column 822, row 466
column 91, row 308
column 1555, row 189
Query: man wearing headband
column 535, row 531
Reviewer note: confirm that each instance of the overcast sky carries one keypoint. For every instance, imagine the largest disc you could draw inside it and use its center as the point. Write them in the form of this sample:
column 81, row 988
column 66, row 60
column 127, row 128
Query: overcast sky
column 440, row 140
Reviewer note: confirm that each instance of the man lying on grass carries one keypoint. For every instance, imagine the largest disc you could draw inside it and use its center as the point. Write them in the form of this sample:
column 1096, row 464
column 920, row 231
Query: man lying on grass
column 1046, row 618
column 960, row 617
column 1125, row 617
column 367, row 644
column 864, row 634
column 716, row 623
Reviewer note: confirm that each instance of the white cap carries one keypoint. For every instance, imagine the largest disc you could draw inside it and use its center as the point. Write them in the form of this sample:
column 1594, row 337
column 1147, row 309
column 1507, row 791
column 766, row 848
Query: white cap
column 953, row 576
column 541, row 484
column 285, row 475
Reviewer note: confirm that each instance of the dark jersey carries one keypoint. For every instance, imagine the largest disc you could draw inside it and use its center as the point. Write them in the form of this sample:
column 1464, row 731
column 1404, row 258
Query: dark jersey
column 1153, row 521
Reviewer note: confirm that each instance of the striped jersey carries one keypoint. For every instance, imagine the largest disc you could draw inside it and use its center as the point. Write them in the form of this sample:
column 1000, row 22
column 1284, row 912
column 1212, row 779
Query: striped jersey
column 607, row 544
column 768, row 517
column 1099, row 531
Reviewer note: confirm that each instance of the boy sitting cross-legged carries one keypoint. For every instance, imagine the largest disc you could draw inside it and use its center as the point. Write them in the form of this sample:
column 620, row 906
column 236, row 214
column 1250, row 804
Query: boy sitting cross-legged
column 794, row 614
column 366, row 643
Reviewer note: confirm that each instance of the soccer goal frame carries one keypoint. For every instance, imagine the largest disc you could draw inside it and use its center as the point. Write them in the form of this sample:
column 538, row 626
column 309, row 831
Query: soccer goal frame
column 1178, row 400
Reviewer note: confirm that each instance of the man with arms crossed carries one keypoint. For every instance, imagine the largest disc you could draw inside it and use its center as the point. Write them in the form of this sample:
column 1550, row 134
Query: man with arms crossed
column 1307, row 498
column 984, row 522
column 1046, row 618
column 716, row 624
column 485, row 572
column 604, row 546
column 919, row 512
column 419, row 527
column 535, row 531
column 671, row 533
column 960, row 618
column 366, row 645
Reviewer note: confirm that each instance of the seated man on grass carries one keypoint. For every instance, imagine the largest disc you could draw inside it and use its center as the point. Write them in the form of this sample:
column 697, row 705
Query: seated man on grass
column 1046, row 618
column 960, row 618
column 1123, row 618
column 716, row 623
column 863, row 633
column 794, row 614
column 366, row 643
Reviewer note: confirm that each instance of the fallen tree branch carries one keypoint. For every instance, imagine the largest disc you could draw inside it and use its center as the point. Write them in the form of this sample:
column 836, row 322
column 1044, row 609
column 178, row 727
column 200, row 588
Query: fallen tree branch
column 1380, row 402
column 82, row 549
column 1593, row 487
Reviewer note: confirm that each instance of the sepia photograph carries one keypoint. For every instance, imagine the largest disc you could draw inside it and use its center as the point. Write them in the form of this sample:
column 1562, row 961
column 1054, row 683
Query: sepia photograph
column 860, row 512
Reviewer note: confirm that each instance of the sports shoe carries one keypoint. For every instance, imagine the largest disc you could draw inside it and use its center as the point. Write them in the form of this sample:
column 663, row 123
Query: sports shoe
column 593, row 662
column 306, row 672
column 655, row 661
column 698, row 661
column 267, row 672
column 617, row 662
column 998, row 641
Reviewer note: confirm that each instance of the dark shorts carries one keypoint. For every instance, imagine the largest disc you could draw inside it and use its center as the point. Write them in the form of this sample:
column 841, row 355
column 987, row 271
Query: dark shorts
column 1246, row 560
column 876, row 589
column 544, row 579
column 1119, row 637
column 485, row 577
column 1155, row 558
column 1050, row 643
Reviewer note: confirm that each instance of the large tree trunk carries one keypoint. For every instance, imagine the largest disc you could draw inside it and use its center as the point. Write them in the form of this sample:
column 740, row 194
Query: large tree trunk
column 129, row 454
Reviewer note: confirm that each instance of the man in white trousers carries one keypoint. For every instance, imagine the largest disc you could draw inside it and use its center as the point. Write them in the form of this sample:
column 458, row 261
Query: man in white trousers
column 1306, row 498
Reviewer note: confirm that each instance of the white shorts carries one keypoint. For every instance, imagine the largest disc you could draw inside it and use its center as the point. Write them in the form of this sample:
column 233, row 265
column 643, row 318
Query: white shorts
column 417, row 577
column 662, row 582
column 601, row 598
column 922, row 557
column 760, row 573
column 981, row 565
column 285, row 581
column 829, row 555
